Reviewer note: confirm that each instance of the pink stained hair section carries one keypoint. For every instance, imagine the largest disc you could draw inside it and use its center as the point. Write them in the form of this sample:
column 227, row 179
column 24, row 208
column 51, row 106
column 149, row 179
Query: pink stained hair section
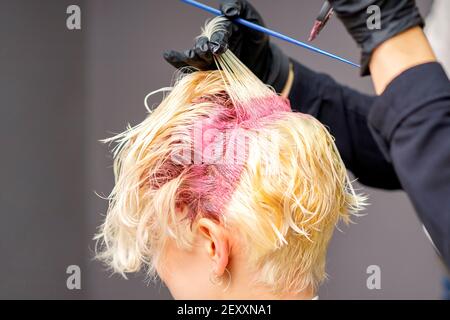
column 218, row 151
column 224, row 146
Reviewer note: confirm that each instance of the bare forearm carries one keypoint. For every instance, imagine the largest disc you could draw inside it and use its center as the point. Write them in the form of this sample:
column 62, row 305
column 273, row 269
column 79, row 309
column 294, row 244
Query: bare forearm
column 401, row 52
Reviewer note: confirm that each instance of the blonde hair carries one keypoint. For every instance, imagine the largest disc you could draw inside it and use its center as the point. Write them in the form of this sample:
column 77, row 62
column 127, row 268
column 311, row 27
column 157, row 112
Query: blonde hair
column 285, row 195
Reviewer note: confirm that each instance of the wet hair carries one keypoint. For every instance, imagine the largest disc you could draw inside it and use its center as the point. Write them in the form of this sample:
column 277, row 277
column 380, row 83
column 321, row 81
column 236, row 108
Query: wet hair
column 223, row 145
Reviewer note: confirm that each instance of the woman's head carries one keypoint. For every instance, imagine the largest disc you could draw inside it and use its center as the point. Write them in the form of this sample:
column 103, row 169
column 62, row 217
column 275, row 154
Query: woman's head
column 225, row 192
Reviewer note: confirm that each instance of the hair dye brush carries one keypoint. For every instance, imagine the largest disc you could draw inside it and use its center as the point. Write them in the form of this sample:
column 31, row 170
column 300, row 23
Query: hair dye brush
column 270, row 32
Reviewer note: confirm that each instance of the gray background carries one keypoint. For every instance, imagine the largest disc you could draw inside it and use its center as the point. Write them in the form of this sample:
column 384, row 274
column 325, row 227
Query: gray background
column 61, row 91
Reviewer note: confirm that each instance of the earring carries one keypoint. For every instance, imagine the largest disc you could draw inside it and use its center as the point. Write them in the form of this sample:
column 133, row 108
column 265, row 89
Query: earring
column 220, row 280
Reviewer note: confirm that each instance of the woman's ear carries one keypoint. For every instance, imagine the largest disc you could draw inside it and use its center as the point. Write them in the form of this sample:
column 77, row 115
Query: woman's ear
column 217, row 243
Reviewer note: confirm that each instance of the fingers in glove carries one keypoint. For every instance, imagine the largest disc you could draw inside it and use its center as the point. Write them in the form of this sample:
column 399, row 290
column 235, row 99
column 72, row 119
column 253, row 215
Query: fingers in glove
column 219, row 41
column 175, row 58
column 231, row 8
column 203, row 51
column 186, row 58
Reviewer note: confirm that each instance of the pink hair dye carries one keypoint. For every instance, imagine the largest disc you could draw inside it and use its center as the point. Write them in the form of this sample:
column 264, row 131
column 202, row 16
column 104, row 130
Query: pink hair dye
column 220, row 149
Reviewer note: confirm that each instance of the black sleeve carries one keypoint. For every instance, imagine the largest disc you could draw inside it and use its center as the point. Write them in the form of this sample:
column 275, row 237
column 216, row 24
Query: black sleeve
column 411, row 123
column 344, row 111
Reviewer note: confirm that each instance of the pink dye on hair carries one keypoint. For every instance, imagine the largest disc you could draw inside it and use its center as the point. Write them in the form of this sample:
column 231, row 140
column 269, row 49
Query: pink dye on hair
column 219, row 153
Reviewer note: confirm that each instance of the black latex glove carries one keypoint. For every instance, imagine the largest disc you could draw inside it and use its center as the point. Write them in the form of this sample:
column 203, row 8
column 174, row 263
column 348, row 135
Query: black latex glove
column 396, row 16
column 253, row 48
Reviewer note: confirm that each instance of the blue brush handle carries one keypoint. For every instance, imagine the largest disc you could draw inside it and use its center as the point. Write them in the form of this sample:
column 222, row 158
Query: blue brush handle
column 272, row 33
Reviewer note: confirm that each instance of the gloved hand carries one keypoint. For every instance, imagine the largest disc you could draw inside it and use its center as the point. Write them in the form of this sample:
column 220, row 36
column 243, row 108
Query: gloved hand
column 396, row 16
column 253, row 48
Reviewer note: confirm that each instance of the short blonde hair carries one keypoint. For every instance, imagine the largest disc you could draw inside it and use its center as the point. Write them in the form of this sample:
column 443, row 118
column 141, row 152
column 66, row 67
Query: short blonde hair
column 284, row 197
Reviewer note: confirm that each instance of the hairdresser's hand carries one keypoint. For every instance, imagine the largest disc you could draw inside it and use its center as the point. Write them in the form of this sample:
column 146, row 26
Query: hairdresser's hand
column 266, row 60
column 396, row 17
